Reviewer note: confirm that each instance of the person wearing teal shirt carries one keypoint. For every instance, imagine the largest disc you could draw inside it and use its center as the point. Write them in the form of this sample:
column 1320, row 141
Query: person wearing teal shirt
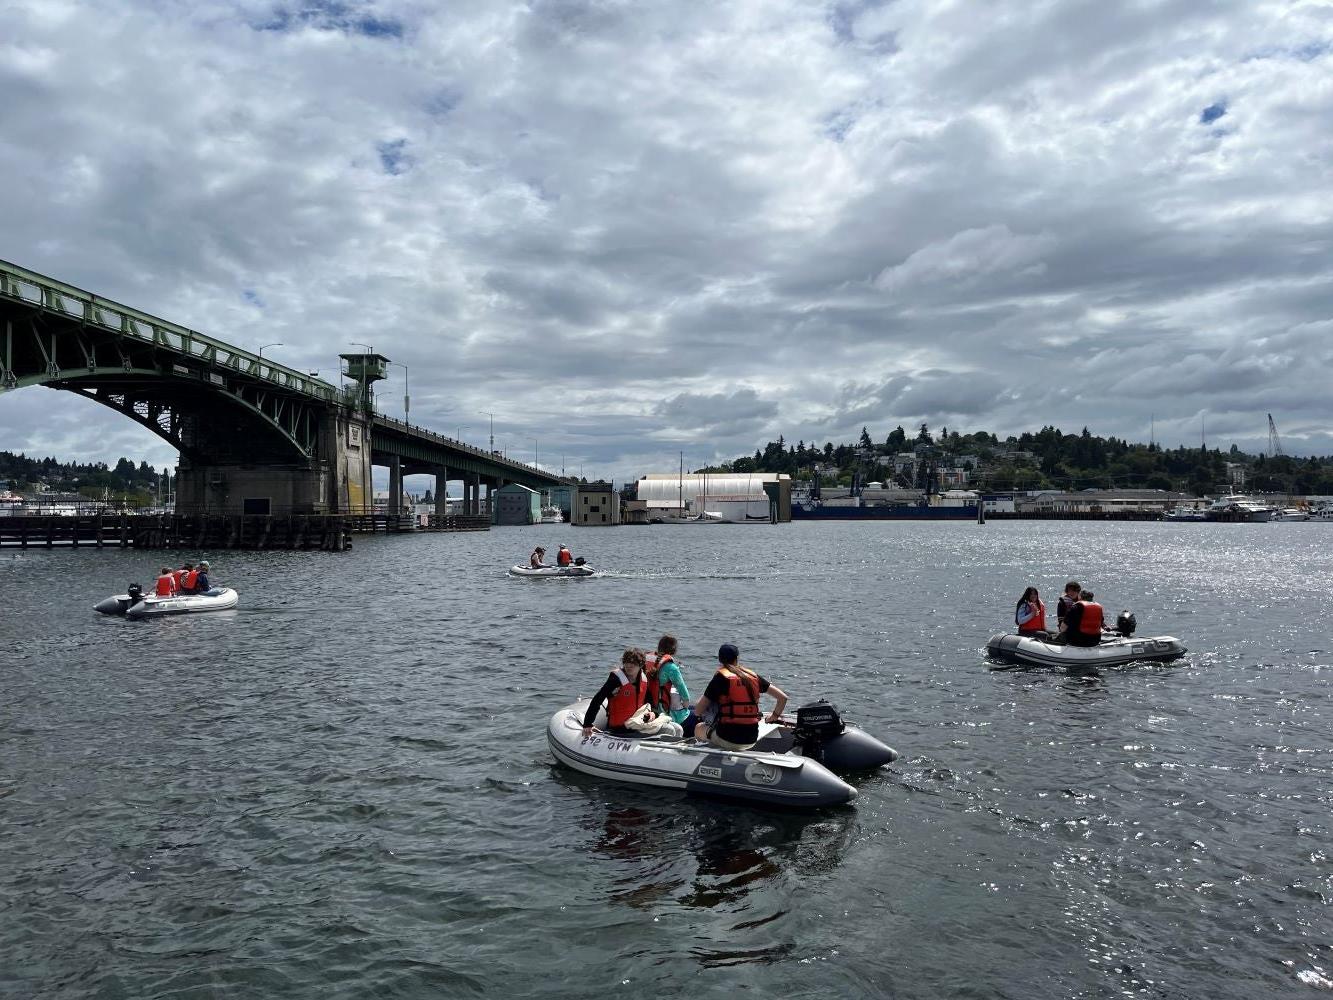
column 666, row 686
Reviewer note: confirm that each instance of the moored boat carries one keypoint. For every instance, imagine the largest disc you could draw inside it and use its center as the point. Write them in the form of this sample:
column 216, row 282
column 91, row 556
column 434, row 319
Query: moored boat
column 137, row 605
column 791, row 765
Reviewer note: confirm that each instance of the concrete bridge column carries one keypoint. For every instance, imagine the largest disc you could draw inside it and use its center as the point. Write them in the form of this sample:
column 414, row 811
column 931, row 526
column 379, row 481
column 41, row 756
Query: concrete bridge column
column 442, row 490
column 395, row 486
column 476, row 493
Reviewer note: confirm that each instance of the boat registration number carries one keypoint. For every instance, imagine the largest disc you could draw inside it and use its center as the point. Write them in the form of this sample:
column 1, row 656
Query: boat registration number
column 609, row 744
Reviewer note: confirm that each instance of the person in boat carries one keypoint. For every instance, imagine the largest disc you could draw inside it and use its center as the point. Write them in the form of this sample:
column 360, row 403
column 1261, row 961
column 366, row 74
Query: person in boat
column 728, row 712
column 666, row 687
column 1067, row 600
column 1030, row 615
column 201, row 584
column 535, row 561
column 180, row 575
column 166, row 583
column 190, row 579
column 1083, row 623
column 564, row 557
column 624, row 693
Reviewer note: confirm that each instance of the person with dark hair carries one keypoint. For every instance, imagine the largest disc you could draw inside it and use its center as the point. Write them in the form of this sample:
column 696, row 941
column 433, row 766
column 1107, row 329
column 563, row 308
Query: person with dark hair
column 666, row 687
column 535, row 561
column 166, row 583
column 1083, row 623
column 730, row 703
column 1030, row 615
column 624, row 693
column 180, row 576
column 1067, row 600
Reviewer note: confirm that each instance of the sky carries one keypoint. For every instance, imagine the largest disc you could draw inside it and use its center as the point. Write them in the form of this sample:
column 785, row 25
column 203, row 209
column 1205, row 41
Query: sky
column 620, row 231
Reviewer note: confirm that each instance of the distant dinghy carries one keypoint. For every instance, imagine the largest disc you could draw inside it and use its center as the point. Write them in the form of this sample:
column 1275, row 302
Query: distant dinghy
column 137, row 605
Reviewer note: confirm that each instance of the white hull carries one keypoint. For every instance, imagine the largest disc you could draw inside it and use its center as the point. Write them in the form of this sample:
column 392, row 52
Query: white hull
column 217, row 599
column 781, row 779
column 1010, row 648
column 551, row 572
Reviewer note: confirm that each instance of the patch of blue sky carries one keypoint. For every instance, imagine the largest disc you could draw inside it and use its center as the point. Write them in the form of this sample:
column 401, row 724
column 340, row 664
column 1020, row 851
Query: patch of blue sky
column 1308, row 52
column 251, row 297
column 838, row 124
column 330, row 15
column 1212, row 113
column 393, row 156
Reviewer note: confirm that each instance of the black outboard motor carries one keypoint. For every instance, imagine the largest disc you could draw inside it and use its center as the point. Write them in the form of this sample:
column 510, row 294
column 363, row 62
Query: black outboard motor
column 817, row 724
column 136, row 594
column 1126, row 624
column 580, row 561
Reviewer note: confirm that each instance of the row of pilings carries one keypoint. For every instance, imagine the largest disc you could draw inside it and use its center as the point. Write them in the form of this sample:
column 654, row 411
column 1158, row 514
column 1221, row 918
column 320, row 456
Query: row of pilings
column 326, row 532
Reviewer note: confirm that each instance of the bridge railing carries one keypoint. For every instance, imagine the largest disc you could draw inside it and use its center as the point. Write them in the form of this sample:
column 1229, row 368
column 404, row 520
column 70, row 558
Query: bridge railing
column 461, row 446
column 35, row 289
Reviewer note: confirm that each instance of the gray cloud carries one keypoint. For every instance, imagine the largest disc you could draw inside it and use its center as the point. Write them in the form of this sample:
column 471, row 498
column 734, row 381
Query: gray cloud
column 628, row 231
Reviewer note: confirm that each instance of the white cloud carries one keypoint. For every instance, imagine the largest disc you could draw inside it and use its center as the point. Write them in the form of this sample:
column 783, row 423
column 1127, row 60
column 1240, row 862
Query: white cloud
column 566, row 213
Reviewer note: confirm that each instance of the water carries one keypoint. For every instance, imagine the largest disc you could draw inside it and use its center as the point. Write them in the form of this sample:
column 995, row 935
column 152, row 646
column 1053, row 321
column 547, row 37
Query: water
column 342, row 788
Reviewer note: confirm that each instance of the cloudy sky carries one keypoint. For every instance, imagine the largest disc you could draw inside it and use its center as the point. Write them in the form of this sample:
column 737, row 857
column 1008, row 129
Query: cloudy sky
column 628, row 229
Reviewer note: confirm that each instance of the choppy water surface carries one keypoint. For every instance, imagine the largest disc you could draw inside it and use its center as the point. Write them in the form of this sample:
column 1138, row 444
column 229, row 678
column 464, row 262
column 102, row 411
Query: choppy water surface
column 342, row 788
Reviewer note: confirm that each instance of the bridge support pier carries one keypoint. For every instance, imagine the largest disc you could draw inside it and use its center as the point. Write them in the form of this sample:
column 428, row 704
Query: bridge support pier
column 442, row 490
column 395, row 486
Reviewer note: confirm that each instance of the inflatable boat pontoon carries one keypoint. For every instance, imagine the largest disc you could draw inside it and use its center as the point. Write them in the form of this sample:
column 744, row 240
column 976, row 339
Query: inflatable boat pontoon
column 139, row 605
column 783, row 769
column 550, row 571
column 1112, row 651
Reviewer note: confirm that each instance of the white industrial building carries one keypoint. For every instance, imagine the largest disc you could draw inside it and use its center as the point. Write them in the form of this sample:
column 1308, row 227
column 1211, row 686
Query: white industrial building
column 751, row 497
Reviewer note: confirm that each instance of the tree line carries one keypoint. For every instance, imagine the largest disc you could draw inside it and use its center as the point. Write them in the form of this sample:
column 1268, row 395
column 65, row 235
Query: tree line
column 1043, row 460
column 125, row 481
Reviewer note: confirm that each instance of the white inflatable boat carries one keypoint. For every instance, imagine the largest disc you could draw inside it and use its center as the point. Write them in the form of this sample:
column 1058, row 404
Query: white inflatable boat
column 550, row 571
column 783, row 769
column 140, row 605
column 1112, row 651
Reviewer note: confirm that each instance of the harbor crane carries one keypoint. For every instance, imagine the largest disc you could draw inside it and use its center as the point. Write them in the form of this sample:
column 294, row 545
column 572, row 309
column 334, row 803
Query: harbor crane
column 1274, row 443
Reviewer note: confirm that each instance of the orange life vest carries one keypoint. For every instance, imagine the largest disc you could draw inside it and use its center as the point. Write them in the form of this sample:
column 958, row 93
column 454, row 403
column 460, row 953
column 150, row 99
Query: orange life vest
column 179, row 577
column 1037, row 623
column 564, row 557
column 628, row 699
column 191, row 578
column 166, row 585
column 658, row 693
column 740, row 704
column 1091, row 621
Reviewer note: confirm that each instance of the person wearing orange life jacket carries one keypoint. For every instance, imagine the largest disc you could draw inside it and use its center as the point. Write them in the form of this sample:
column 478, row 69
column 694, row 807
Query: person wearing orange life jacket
column 1083, row 621
column 729, row 709
column 624, row 693
column 666, row 687
column 1030, row 615
column 564, row 557
column 166, row 583
column 180, row 575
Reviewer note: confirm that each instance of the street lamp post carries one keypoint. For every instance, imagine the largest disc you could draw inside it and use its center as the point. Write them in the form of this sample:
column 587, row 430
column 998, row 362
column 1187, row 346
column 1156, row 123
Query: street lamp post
column 534, row 453
column 407, row 399
column 266, row 346
column 492, row 416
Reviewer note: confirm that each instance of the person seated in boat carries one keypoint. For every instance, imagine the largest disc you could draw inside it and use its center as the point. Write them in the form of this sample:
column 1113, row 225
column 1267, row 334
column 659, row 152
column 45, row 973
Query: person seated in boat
column 535, row 561
column 166, row 583
column 1083, row 623
column 728, row 712
column 564, row 557
column 180, row 575
column 1067, row 601
column 666, row 687
column 201, row 584
column 190, row 580
column 1030, row 615
column 624, row 693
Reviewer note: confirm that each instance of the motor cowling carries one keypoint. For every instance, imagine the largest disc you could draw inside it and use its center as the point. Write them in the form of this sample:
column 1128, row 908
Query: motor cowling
column 135, row 593
column 580, row 561
column 816, row 724
column 1125, row 624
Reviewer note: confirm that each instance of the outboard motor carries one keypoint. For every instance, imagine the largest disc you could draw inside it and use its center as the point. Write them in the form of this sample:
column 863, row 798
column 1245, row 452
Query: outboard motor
column 136, row 594
column 1125, row 624
column 816, row 724
column 580, row 561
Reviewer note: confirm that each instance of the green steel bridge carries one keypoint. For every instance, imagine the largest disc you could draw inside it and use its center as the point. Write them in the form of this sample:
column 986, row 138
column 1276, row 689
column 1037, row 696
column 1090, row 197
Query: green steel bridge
column 254, row 436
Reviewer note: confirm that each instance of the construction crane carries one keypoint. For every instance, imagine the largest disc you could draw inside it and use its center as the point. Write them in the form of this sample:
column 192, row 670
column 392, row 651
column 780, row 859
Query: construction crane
column 1274, row 444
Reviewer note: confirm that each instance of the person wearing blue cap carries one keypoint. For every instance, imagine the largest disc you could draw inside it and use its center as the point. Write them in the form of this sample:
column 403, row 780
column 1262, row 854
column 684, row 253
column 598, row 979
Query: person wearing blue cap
column 734, row 723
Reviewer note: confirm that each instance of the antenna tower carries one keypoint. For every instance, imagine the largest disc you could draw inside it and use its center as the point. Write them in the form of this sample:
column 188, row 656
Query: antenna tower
column 1274, row 443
